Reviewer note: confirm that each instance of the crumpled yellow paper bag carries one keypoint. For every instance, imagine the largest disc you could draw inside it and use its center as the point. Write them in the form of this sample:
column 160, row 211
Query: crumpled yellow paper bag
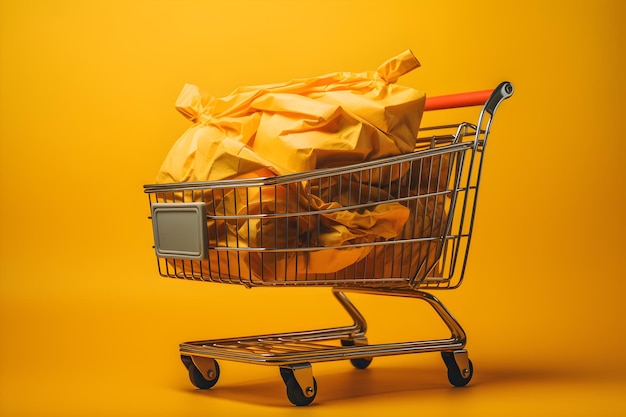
column 331, row 120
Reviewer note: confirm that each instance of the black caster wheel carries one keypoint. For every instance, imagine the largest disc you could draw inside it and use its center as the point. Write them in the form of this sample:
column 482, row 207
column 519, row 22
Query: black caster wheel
column 361, row 363
column 295, row 393
column 358, row 363
column 457, row 377
column 197, row 378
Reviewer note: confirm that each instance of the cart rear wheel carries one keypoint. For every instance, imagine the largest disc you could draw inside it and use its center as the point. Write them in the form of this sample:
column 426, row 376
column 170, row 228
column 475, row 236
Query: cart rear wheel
column 201, row 381
column 456, row 376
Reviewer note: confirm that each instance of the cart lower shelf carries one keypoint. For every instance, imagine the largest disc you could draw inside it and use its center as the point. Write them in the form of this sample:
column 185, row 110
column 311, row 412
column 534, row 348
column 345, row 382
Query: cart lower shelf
column 294, row 352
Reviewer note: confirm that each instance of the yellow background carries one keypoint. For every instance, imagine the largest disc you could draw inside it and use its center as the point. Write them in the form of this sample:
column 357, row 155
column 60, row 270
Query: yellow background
column 86, row 117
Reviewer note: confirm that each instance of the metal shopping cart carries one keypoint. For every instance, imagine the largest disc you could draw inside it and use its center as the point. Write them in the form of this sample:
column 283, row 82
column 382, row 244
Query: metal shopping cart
column 266, row 232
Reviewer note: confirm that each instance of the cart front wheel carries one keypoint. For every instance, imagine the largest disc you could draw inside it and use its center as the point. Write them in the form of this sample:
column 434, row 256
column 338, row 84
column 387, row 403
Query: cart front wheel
column 457, row 376
column 296, row 395
column 295, row 392
column 201, row 381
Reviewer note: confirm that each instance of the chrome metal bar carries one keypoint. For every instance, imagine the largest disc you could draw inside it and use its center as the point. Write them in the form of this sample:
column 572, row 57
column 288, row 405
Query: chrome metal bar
column 298, row 347
column 359, row 323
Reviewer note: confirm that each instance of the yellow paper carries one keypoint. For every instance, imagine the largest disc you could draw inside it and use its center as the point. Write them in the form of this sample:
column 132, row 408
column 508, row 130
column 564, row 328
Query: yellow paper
column 332, row 120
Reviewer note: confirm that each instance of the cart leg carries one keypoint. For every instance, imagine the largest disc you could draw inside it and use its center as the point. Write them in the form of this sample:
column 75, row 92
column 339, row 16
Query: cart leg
column 360, row 325
column 460, row 368
column 457, row 334
column 357, row 337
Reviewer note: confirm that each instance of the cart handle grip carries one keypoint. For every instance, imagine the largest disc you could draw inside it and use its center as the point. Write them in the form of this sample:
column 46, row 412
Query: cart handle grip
column 489, row 98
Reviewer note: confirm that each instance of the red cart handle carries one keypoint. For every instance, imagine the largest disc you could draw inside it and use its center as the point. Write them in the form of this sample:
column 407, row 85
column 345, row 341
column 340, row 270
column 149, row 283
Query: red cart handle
column 474, row 98
column 489, row 98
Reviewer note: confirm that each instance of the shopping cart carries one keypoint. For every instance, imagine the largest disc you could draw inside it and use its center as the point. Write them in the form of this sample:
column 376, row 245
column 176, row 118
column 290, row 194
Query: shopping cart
column 268, row 232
